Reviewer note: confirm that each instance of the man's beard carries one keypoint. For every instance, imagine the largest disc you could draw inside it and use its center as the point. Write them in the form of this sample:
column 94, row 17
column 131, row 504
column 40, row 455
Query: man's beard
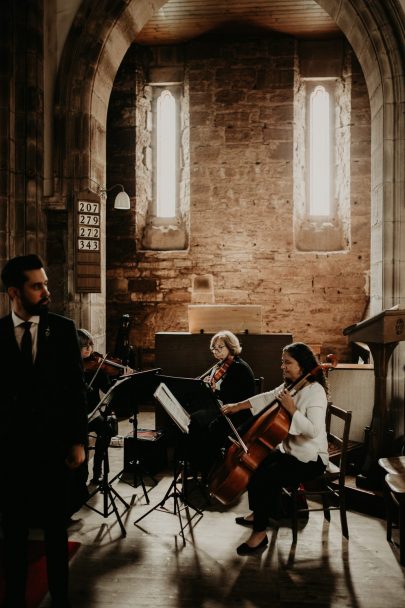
column 35, row 309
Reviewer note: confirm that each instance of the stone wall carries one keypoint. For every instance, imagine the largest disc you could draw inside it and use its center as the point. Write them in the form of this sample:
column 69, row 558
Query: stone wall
column 241, row 210
column 22, row 221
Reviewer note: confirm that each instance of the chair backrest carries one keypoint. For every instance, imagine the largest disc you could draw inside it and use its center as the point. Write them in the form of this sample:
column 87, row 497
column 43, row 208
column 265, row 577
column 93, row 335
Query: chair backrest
column 338, row 440
column 259, row 385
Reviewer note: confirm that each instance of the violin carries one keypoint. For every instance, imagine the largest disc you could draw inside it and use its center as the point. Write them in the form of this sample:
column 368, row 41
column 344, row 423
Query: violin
column 111, row 366
column 221, row 367
column 269, row 427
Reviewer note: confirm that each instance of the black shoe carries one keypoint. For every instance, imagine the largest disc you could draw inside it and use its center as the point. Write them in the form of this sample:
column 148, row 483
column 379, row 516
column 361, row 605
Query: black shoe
column 96, row 481
column 242, row 521
column 244, row 548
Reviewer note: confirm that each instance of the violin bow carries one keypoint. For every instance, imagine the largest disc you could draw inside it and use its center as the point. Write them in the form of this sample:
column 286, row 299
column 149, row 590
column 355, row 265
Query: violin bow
column 97, row 370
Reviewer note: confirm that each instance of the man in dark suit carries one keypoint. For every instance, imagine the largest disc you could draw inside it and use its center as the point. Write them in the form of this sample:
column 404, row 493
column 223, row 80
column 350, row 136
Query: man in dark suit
column 43, row 428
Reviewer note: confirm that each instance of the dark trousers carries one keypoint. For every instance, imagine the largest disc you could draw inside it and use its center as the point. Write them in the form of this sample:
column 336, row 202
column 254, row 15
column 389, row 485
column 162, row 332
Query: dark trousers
column 275, row 472
column 37, row 499
column 208, row 437
column 103, row 437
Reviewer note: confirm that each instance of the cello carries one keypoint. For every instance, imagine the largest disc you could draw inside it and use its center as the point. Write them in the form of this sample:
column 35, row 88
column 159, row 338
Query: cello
column 267, row 429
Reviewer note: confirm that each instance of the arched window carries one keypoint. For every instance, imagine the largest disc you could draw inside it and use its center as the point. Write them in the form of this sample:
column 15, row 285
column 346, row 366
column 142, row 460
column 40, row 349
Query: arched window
column 320, row 173
column 322, row 164
column 166, row 155
column 163, row 162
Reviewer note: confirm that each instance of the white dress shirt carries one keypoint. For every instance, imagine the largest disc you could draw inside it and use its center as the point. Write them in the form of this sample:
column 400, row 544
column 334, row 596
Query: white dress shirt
column 19, row 331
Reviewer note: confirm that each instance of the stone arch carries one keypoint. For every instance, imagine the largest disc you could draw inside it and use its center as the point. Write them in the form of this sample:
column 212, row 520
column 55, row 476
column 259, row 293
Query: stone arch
column 94, row 50
column 97, row 42
column 375, row 31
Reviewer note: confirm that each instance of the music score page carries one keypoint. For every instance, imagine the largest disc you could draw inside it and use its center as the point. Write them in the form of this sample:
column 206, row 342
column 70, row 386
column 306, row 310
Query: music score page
column 175, row 410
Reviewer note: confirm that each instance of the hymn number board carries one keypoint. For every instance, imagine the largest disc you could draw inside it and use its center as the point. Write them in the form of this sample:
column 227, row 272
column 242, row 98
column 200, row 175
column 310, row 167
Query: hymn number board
column 88, row 240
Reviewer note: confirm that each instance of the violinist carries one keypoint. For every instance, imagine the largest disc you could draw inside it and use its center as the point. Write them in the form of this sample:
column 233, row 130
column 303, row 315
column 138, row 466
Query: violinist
column 96, row 380
column 302, row 456
column 231, row 379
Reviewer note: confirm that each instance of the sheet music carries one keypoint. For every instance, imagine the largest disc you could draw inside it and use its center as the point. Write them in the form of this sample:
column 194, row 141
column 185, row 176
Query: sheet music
column 105, row 399
column 175, row 410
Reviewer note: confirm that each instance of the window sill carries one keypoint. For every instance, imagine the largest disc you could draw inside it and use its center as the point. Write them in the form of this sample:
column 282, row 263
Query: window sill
column 320, row 236
column 164, row 234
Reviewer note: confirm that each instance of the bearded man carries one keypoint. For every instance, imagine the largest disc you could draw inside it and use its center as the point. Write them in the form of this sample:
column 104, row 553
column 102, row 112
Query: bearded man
column 43, row 428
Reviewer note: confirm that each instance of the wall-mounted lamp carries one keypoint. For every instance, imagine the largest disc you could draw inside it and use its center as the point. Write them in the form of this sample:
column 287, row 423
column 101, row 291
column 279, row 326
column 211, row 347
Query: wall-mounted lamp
column 121, row 200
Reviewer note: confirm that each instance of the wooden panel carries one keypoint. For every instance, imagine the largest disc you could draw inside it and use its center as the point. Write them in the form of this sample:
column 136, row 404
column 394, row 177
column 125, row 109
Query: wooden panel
column 180, row 20
column 215, row 317
column 87, row 243
column 188, row 355
column 384, row 328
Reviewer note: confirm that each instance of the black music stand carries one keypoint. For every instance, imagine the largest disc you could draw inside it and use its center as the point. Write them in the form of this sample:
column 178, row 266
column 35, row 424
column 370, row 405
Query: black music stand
column 181, row 417
column 105, row 486
column 138, row 470
column 139, row 386
column 195, row 395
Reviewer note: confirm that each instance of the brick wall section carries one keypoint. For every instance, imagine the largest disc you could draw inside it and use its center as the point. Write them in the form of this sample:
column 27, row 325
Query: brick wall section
column 6, row 136
column 22, row 222
column 241, row 183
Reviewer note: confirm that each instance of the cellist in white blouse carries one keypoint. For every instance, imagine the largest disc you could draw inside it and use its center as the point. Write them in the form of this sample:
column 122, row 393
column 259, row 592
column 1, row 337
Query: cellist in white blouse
column 303, row 455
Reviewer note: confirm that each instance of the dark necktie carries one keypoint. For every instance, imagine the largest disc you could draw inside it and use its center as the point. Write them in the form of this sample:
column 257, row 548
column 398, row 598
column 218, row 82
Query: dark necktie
column 26, row 342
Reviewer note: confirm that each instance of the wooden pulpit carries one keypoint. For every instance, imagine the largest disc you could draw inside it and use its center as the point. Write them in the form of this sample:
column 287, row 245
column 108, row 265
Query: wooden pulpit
column 381, row 333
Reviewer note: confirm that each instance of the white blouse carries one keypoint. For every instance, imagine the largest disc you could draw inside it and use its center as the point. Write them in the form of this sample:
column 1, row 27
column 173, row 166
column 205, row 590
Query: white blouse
column 306, row 439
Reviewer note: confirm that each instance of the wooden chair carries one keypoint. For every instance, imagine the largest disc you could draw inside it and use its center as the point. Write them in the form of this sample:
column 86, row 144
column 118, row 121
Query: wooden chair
column 394, row 467
column 330, row 486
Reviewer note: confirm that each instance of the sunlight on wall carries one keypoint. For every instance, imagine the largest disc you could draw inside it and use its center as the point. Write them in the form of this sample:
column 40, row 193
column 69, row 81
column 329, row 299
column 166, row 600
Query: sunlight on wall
column 166, row 156
column 319, row 153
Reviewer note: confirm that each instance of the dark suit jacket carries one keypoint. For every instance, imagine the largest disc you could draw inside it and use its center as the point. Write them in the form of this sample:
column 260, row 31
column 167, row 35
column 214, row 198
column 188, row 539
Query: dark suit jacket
column 46, row 403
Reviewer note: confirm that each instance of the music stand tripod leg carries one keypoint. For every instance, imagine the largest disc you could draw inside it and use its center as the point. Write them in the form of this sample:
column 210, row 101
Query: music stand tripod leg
column 160, row 503
column 143, row 487
column 138, row 470
column 108, row 492
column 179, row 473
column 111, row 491
column 178, row 496
column 183, row 493
column 172, row 492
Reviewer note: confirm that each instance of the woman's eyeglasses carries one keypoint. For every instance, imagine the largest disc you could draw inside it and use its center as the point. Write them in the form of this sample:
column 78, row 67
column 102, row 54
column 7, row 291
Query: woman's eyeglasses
column 217, row 348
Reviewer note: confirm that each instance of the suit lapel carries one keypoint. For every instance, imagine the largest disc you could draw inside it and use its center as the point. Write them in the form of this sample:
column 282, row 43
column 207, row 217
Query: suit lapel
column 9, row 338
column 43, row 335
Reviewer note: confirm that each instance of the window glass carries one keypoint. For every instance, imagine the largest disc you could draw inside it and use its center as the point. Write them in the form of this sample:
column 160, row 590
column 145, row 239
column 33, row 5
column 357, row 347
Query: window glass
column 166, row 144
column 319, row 153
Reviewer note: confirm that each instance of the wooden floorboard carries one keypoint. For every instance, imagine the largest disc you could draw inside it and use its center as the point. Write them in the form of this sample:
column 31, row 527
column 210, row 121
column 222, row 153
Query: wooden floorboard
column 150, row 566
